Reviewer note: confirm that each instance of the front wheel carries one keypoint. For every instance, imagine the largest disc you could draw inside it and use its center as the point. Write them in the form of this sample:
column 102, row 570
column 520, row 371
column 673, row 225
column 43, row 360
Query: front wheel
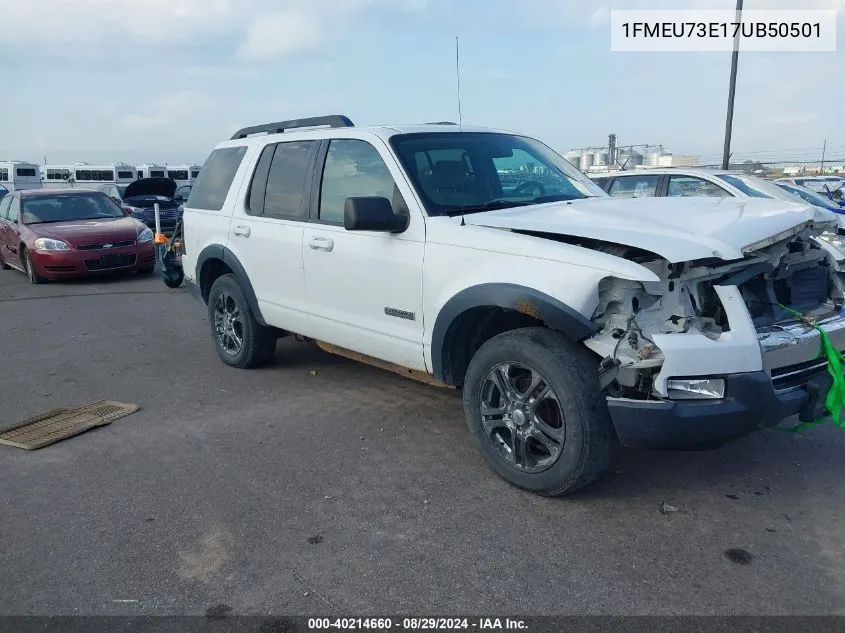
column 31, row 273
column 241, row 341
column 533, row 403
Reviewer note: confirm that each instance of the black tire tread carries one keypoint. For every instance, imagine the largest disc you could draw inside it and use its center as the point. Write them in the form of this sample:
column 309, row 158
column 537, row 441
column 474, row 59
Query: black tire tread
column 579, row 369
column 32, row 275
column 259, row 340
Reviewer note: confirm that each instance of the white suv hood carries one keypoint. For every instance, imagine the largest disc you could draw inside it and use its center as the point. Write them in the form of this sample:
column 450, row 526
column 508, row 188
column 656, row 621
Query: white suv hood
column 677, row 229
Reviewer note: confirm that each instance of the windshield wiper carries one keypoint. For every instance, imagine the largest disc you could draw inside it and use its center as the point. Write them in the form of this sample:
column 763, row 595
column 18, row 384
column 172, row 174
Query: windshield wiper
column 501, row 203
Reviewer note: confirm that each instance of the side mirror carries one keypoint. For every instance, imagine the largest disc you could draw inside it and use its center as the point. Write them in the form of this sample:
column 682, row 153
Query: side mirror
column 372, row 213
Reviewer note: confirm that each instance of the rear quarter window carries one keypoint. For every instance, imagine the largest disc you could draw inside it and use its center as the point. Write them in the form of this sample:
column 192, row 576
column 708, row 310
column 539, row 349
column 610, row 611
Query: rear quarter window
column 216, row 178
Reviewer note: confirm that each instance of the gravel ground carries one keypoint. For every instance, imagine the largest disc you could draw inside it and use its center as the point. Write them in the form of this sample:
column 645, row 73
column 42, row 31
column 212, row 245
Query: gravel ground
column 319, row 485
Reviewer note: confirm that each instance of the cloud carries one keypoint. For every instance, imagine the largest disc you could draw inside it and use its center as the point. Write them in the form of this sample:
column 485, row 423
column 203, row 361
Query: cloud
column 260, row 29
column 175, row 108
column 281, row 33
column 600, row 17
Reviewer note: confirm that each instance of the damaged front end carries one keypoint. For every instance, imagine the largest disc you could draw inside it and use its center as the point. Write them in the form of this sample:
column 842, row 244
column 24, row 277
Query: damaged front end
column 683, row 337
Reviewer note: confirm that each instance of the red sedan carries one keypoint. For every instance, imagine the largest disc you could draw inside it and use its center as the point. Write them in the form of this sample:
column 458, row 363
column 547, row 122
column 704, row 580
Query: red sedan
column 62, row 233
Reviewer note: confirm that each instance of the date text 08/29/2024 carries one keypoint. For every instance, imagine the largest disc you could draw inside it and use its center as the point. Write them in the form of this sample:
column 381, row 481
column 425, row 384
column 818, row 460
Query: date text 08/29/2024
column 417, row 624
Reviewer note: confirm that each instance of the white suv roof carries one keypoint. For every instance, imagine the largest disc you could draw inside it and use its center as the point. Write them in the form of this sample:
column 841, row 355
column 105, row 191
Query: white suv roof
column 331, row 126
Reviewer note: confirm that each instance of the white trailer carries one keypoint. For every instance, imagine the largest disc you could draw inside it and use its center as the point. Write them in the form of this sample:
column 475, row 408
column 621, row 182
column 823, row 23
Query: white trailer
column 152, row 171
column 19, row 174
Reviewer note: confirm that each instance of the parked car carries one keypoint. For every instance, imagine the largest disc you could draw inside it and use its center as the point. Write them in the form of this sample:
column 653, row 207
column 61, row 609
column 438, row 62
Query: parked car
column 182, row 193
column 684, row 182
column 113, row 191
column 714, row 183
column 483, row 260
column 828, row 186
column 141, row 196
column 62, row 233
column 811, row 197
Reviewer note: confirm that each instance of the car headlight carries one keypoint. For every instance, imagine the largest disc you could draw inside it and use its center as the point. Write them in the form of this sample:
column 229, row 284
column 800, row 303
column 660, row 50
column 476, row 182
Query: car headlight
column 145, row 236
column 47, row 244
column 696, row 388
column 834, row 239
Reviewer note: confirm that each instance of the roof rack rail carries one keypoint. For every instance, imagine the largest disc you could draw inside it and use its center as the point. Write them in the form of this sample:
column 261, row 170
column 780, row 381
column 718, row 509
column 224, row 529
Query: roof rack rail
column 332, row 120
column 441, row 123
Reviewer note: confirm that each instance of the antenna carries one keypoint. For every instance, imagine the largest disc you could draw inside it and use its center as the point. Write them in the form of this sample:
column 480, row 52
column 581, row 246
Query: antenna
column 458, row 76
column 458, row 80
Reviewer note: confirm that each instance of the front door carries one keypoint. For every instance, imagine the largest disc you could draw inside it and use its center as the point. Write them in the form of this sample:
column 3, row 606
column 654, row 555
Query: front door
column 364, row 288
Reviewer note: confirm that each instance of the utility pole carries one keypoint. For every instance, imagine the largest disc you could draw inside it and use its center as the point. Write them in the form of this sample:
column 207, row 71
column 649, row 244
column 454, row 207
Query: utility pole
column 824, row 147
column 726, row 155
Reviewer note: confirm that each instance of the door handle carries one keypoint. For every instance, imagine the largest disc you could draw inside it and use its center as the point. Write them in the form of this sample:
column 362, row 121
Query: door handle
column 321, row 244
column 241, row 230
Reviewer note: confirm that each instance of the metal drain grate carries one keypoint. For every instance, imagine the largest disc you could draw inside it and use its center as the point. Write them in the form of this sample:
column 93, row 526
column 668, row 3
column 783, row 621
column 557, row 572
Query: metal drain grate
column 59, row 424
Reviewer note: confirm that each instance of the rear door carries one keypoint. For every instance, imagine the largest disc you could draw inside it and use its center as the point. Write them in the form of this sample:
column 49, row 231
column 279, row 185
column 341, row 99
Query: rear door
column 267, row 230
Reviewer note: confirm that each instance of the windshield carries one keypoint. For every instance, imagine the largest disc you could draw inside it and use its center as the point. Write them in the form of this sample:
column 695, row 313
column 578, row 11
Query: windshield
column 66, row 208
column 463, row 172
column 820, row 185
column 753, row 186
column 812, row 197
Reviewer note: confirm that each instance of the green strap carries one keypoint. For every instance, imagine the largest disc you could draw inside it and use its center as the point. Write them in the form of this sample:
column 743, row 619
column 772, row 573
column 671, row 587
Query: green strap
column 835, row 400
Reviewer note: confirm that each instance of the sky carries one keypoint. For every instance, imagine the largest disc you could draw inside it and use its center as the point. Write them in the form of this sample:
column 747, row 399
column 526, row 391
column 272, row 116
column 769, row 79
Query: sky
column 165, row 80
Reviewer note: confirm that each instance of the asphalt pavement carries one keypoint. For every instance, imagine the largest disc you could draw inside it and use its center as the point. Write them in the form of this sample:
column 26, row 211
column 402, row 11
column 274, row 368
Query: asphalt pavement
column 318, row 485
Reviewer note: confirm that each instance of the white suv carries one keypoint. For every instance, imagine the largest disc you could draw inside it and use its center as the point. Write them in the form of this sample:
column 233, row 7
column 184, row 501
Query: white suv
column 483, row 260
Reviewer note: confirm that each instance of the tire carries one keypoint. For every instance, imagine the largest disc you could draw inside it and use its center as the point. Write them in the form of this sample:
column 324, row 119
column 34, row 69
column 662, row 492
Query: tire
column 31, row 273
column 571, row 422
column 257, row 343
column 174, row 281
column 3, row 264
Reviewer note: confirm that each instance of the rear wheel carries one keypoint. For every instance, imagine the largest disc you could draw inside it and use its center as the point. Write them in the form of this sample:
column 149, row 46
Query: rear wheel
column 34, row 277
column 241, row 341
column 532, row 400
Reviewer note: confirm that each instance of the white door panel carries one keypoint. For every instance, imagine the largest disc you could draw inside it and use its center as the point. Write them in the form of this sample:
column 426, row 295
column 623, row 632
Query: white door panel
column 365, row 292
column 271, row 253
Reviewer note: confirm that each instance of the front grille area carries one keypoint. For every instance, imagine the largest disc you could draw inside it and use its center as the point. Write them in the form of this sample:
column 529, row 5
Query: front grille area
column 786, row 378
column 102, row 245
column 109, row 262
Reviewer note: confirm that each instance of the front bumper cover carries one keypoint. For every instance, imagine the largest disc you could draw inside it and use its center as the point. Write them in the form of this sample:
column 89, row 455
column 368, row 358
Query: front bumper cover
column 751, row 403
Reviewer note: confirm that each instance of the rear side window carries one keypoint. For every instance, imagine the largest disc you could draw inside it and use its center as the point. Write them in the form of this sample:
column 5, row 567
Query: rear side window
column 634, row 186
column 25, row 171
column 215, row 178
column 286, row 180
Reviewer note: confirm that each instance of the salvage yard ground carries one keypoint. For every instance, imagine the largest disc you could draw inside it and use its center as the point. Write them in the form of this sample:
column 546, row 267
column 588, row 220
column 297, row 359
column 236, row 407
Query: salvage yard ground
column 320, row 485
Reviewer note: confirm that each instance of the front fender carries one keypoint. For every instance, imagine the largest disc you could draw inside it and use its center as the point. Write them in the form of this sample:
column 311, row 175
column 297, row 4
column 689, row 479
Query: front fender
column 554, row 313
